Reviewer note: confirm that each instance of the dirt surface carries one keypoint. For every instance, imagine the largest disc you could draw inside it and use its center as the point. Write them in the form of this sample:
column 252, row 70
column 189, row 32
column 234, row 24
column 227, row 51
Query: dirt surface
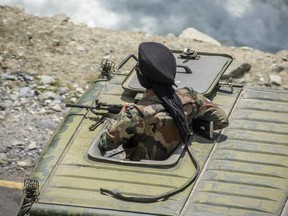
column 46, row 62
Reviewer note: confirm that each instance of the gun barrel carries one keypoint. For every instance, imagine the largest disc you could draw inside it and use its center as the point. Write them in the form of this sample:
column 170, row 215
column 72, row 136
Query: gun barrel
column 78, row 106
column 111, row 108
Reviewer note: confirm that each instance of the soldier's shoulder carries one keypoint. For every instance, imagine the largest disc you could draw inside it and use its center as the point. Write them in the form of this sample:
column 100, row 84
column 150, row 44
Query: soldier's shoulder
column 186, row 90
column 187, row 95
column 151, row 109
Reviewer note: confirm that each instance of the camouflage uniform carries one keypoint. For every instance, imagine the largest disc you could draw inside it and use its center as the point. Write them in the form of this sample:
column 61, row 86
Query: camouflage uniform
column 148, row 132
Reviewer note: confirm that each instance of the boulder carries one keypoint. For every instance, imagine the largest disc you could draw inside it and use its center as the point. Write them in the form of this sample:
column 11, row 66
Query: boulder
column 236, row 70
column 194, row 34
column 275, row 79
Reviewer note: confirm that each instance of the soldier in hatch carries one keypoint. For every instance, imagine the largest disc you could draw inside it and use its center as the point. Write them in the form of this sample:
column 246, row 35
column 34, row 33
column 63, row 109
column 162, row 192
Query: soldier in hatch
column 154, row 127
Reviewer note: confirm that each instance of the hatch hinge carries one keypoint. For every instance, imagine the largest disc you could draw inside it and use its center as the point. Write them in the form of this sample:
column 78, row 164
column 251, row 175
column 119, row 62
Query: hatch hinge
column 227, row 83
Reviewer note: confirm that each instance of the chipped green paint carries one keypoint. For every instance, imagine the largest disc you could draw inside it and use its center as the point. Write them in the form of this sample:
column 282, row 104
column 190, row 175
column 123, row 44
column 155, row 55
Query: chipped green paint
column 248, row 173
column 244, row 172
column 62, row 136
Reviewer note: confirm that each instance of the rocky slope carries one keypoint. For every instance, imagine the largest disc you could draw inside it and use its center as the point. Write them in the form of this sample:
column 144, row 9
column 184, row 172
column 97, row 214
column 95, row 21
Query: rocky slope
column 47, row 62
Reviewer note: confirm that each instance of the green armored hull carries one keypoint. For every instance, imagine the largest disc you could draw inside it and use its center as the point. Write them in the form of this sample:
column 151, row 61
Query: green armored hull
column 243, row 169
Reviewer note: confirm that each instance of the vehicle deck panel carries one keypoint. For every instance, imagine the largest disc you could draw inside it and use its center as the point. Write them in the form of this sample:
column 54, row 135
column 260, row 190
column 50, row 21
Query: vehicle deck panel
column 76, row 180
column 247, row 174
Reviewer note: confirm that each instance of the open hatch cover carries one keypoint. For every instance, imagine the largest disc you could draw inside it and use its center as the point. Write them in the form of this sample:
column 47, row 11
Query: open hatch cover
column 203, row 73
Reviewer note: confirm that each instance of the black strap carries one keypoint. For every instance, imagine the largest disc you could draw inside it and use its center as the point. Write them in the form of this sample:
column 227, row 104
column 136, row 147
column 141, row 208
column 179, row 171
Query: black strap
column 161, row 197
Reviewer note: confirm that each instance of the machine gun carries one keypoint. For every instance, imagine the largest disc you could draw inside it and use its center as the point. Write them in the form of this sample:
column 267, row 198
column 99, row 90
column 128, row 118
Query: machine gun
column 111, row 108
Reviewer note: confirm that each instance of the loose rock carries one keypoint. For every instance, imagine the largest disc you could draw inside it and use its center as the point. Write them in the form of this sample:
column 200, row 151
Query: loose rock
column 236, row 70
column 3, row 158
column 32, row 145
column 275, row 79
column 25, row 163
column 193, row 34
column 46, row 80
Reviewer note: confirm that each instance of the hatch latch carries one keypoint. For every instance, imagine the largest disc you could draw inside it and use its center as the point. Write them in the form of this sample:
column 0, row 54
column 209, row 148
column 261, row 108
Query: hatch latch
column 189, row 54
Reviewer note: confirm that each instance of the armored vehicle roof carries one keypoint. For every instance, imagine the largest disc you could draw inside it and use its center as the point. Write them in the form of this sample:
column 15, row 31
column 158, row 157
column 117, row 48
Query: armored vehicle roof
column 243, row 170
